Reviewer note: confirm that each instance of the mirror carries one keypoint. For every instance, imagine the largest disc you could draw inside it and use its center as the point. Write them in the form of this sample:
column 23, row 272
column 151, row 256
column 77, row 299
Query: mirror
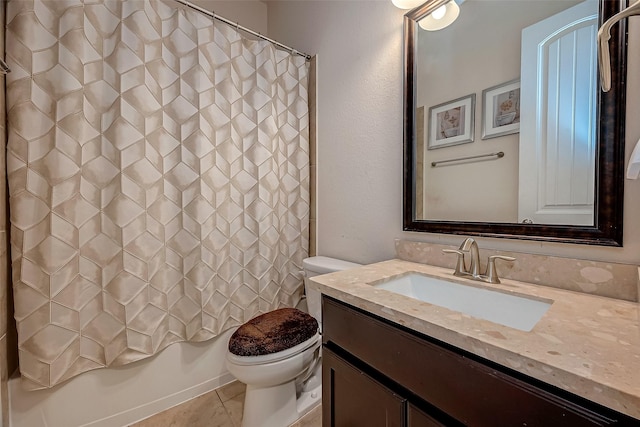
column 490, row 147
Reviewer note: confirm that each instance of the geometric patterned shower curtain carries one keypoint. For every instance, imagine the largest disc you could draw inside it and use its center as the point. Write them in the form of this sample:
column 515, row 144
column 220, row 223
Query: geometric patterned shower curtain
column 158, row 165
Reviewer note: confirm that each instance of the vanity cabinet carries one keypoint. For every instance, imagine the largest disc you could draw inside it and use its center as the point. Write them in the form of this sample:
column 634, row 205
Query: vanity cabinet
column 378, row 373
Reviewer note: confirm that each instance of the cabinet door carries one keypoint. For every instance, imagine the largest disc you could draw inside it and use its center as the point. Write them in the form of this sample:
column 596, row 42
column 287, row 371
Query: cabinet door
column 417, row 418
column 350, row 398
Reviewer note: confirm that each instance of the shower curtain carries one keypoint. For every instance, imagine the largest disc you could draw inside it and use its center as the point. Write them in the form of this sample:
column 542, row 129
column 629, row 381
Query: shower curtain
column 158, row 168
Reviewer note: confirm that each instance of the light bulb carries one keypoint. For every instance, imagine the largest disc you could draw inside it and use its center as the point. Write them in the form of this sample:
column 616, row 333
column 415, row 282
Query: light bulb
column 407, row 4
column 439, row 12
column 440, row 18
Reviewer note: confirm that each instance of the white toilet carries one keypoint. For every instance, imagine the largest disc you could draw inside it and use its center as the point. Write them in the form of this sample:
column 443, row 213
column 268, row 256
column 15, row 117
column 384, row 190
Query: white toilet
column 283, row 386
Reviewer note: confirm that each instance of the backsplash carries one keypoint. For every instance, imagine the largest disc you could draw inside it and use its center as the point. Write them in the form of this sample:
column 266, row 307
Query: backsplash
column 607, row 279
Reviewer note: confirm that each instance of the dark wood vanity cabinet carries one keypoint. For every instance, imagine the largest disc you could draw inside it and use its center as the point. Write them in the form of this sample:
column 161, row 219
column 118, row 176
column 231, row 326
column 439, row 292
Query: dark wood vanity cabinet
column 377, row 373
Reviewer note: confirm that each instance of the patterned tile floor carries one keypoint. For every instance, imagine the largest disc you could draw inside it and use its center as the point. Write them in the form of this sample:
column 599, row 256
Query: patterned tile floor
column 219, row 408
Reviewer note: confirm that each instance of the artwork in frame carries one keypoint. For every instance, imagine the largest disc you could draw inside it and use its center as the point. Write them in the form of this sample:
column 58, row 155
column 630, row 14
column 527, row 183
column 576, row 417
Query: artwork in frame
column 452, row 123
column 501, row 110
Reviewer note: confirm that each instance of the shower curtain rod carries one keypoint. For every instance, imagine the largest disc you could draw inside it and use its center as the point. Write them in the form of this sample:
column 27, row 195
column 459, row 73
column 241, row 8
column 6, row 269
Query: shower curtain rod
column 213, row 15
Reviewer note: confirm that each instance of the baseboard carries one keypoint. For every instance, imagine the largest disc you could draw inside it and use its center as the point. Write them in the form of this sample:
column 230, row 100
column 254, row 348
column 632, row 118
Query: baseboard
column 146, row 410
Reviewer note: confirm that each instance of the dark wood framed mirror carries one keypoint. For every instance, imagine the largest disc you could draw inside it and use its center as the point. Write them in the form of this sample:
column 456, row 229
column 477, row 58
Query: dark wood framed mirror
column 604, row 227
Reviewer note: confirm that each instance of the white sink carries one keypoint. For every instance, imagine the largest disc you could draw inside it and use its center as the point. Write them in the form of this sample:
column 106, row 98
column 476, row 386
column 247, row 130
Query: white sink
column 514, row 311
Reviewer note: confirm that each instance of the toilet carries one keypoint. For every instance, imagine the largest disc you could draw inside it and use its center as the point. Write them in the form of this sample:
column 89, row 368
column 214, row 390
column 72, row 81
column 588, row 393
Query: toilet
column 282, row 371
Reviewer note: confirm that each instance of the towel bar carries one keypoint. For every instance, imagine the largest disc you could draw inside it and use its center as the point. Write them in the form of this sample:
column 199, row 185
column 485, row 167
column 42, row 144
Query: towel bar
column 498, row 155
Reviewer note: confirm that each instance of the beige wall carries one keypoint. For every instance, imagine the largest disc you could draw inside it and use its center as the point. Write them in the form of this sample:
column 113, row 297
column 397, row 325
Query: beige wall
column 359, row 48
column 359, row 109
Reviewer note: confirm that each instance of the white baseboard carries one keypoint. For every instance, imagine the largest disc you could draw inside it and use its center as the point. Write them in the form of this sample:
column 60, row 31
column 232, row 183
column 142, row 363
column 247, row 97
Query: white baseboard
column 145, row 410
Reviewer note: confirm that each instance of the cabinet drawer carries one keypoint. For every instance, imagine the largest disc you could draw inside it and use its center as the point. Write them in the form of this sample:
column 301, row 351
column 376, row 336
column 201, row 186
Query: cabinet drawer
column 473, row 393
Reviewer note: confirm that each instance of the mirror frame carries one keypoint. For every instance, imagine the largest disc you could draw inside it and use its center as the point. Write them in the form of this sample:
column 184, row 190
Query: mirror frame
column 608, row 215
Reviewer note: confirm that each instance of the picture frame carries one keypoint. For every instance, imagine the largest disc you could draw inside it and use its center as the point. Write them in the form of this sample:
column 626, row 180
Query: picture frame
column 452, row 122
column 501, row 110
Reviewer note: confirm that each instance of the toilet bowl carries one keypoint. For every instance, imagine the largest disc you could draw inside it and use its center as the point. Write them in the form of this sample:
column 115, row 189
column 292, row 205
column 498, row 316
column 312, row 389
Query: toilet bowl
column 271, row 386
column 284, row 385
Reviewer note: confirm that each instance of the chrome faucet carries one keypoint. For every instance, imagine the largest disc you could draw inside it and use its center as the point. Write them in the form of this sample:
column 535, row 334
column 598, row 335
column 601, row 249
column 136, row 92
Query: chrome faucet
column 470, row 246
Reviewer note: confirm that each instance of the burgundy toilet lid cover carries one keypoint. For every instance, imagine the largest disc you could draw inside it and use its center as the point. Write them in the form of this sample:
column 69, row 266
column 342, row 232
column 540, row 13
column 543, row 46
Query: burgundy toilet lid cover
column 272, row 332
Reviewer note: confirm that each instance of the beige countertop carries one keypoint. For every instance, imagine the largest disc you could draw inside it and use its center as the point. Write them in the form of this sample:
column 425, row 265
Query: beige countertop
column 585, row 344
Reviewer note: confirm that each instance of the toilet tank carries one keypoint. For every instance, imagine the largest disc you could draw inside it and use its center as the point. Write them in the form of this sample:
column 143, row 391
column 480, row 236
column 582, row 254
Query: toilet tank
column 315, row 266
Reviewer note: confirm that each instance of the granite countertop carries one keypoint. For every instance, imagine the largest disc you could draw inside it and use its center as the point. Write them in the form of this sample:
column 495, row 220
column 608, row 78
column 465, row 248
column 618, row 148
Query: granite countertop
column 585, row 344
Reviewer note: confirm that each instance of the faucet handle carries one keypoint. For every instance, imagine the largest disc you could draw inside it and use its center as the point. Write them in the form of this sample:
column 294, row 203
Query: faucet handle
column 492, row 273
column 460, row 267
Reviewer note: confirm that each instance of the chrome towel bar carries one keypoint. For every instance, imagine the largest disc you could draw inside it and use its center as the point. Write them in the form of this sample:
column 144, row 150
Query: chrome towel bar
column 497, row 155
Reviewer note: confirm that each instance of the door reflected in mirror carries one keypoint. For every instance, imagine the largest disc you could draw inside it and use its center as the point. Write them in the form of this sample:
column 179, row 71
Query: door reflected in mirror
column 506, row 131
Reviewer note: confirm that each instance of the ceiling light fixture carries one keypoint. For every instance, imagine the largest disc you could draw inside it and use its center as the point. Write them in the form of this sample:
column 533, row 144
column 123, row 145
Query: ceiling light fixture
column 441, row 17
column 407, row 4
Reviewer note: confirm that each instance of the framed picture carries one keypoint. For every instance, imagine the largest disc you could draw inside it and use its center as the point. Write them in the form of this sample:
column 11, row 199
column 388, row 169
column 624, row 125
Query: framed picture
column 501, row 110
column 452, row 123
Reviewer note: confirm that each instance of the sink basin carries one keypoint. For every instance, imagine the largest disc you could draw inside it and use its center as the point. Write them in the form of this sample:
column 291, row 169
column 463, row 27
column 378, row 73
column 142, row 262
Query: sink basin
column 514, row 311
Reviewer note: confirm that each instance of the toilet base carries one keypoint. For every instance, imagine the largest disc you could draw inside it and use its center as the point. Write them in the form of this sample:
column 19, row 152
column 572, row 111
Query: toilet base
column 270, row 406
column 310, row 395
column 281, row 405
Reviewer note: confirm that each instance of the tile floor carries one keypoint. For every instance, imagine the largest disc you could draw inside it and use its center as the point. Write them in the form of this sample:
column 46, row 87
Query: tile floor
column 219, row 408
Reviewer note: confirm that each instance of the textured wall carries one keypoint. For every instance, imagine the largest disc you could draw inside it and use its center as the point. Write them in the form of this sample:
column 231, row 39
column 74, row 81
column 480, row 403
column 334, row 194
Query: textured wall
column 359, row 48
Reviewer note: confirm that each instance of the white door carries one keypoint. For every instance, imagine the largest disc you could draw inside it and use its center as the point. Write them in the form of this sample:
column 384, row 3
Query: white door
column 558, row 118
